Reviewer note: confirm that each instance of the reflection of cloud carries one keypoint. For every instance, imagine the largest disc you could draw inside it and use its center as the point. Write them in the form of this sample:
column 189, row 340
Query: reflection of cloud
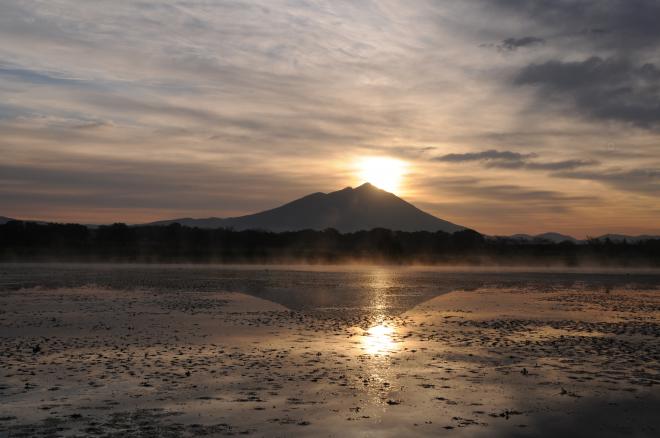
column 615, row 416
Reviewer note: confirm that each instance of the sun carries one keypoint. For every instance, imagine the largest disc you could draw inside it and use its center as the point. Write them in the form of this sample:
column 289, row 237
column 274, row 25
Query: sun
column 383, row 172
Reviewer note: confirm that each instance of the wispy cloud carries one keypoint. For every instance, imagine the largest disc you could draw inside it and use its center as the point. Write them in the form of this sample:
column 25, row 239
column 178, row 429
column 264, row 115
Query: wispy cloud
column 643, row 181
column 513, row 160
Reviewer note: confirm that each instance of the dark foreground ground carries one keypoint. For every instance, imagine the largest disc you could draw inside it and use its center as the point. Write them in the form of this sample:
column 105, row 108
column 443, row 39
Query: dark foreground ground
column 117, row 351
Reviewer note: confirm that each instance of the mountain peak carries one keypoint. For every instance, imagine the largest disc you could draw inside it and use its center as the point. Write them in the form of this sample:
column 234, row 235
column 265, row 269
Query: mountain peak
column 365, row 188
column 368, row 187
column 346, row 210
column 362, row 187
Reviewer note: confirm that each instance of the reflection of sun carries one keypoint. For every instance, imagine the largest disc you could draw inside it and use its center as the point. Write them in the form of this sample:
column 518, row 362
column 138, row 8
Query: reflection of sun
column 378, row 340
column 384, row 173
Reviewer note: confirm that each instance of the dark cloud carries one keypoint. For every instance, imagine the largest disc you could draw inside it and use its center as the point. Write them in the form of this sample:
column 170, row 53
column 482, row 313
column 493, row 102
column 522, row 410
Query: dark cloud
column 539, row 165
column 619, row 81
column 511, row 44
column 561, row 165
column 514, row 160
column 622, row 153
column 609, row 89
column 490, row 154
column 615, row 24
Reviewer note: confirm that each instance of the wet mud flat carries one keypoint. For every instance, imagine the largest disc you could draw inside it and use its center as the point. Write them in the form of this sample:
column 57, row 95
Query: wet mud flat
column 504, row 359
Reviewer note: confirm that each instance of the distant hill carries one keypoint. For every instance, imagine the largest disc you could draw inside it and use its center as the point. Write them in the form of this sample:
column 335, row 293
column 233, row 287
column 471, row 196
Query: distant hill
column 348, row 210
column 630, row 239
column 4, row 220
column 545, row 237
column 559, row 238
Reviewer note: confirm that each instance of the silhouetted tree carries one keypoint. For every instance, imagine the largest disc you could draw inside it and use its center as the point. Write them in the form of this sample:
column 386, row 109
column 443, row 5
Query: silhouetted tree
column 30, row 241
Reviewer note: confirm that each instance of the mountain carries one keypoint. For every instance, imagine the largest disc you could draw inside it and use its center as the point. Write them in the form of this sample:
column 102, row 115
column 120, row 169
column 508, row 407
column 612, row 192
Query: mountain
column 559, row 238
column 348, row 210
column 545, row 237
column 622, row 237
column 4, row 220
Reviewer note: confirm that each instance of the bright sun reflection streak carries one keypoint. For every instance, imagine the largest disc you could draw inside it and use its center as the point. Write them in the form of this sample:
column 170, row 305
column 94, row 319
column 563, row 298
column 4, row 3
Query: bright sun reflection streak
column 379, row 340
column 384, row 173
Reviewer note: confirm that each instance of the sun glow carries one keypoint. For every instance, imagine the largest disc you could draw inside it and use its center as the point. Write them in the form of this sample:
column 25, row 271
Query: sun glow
column 384, row 173
column 379, row 340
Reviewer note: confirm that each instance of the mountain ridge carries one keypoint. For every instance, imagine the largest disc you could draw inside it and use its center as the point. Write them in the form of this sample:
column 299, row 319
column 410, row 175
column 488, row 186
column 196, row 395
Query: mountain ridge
column 553, row 237
column 346, row 210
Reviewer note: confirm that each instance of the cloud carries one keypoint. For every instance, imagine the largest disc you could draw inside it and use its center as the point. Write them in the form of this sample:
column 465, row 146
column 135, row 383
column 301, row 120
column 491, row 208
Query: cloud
column 508, row 193
column 547, row 165
column 617, row 24
column 490, row 154
column 600, row 61
column 644, row 181
column 474, row 202
column 473, row 190
column 36, row 77
column 514, row 160
column 273, row 99
column 609, row 89
column 512, row 44
column 85, row 186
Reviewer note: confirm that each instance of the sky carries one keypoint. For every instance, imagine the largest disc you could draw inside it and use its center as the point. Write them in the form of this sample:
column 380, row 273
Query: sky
column 509, row 116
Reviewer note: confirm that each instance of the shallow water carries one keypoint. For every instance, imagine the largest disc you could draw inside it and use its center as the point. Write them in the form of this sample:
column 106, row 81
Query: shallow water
column 353, row 293
column 152, row 351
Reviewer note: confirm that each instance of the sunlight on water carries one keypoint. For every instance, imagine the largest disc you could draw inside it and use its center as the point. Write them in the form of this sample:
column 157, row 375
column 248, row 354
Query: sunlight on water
column 379, row 340
column 380, row 281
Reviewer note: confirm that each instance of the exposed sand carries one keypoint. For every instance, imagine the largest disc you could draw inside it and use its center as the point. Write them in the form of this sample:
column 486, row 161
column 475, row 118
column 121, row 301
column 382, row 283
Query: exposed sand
column 488, row 362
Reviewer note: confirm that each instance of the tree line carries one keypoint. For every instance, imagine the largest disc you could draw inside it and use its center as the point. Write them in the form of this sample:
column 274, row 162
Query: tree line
column 31, row 241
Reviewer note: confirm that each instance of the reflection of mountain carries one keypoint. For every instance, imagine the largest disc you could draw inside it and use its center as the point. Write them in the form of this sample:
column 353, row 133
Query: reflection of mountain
column 363, row 208
column 351, row 296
